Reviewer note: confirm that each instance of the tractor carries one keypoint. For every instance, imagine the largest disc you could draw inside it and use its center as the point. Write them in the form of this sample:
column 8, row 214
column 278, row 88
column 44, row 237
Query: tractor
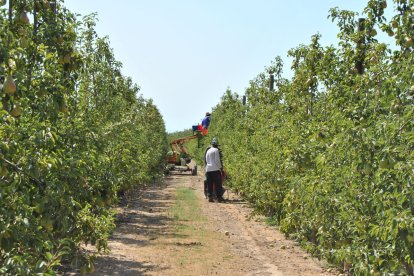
column 178, row 159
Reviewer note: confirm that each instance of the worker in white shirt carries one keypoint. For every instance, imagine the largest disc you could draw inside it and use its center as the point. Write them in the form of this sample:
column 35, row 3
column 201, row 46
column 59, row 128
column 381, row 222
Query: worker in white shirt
column 214, row 169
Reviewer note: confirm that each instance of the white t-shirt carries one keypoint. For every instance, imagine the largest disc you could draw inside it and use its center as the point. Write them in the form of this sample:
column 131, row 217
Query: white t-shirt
column 213, row 160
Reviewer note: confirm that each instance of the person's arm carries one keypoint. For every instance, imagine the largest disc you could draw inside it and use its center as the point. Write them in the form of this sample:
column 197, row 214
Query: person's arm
column 217, row 160
column 205, row 156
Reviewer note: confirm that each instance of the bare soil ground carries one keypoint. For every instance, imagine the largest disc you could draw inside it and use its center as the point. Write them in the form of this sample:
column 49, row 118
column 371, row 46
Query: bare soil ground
column 216, row 239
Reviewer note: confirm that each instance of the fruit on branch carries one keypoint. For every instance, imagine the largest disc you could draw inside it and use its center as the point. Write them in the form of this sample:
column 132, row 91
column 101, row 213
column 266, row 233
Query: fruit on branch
column 22, row 32
column 11, row 63
column 390, row 32
column 64, row 108
column 408, row 41
column 9, row 87
column 24, row 42
column 23, row 18
column 411, row 91
column 16, row 111
column 45, row 4
column 3, row 171
column 59, row 39
column 66, row 58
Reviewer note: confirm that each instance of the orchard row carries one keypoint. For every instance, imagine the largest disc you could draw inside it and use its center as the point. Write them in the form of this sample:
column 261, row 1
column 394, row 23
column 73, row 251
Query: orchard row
column 74, row 133
column 328, row 154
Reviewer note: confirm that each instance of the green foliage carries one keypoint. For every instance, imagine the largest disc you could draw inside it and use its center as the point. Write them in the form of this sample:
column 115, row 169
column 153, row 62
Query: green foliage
column 74, row 133
column 328, row 153
column 179, row 134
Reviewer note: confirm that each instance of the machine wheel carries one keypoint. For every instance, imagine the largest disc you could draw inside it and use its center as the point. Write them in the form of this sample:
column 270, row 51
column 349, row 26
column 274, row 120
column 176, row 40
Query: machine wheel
column 166, row 171
column 194, row 170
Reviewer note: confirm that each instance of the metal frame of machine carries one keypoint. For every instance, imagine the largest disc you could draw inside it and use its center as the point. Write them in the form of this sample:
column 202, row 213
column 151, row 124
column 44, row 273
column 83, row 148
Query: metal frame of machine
column 178, row 159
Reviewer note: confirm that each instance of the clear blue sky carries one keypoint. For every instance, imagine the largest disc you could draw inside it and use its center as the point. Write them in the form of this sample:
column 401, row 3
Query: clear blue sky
column 184, row 54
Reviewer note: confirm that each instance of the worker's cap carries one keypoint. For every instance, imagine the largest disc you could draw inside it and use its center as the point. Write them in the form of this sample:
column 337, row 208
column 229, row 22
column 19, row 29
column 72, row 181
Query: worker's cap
column 208, row 114
column 214, row 141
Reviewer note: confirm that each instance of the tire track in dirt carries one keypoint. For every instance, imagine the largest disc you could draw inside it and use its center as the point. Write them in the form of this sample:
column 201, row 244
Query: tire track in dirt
column 227, row 241
column 271, row 252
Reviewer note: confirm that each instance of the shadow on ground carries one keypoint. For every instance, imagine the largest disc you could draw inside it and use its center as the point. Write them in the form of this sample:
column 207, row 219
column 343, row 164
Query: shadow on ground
column 142, row 218
column 123, row 267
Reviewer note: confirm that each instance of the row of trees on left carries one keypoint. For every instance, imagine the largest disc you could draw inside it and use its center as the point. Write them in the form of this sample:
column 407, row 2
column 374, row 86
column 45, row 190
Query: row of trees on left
column 74, row 132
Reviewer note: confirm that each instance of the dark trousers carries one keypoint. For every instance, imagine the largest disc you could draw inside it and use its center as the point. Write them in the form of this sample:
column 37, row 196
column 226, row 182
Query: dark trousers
column 214, row 184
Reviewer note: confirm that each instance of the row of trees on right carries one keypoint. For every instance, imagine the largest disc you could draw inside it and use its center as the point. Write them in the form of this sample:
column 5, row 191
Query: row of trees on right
column 328, row 154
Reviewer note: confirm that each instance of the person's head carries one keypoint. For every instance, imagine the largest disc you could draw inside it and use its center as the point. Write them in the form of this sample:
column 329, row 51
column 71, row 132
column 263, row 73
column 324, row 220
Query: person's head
column 208, row 114
column 214, row 142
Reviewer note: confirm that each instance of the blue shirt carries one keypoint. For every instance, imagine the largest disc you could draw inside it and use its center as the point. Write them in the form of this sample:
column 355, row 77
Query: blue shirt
column 206, row 122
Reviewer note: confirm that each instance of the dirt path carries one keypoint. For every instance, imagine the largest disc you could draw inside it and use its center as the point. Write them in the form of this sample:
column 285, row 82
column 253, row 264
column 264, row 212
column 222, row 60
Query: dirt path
column 154, row 238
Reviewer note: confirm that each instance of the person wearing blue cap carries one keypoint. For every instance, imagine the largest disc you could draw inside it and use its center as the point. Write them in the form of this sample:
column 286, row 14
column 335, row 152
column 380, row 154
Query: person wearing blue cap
column 214, row 169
